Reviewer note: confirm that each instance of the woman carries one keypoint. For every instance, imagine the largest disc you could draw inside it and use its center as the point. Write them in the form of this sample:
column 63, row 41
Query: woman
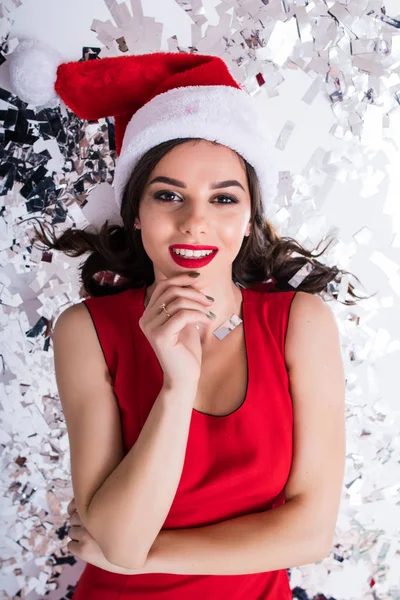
column 207, row 454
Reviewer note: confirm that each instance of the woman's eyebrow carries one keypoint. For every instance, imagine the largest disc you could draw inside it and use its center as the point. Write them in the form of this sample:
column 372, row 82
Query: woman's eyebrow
column 213, row 186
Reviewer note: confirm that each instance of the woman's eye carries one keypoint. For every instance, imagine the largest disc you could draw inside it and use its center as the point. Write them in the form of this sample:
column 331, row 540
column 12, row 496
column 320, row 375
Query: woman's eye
column 159, row 196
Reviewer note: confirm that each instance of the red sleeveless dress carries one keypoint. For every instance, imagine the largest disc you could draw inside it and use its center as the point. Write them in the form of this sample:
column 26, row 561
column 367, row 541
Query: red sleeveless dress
column 234, row 464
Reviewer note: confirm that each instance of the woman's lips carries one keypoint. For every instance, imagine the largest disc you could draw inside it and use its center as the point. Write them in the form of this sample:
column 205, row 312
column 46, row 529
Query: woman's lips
column 192, row 263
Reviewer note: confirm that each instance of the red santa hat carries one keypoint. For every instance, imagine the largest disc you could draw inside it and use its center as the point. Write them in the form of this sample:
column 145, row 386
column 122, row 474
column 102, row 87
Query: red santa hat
column 153, row 98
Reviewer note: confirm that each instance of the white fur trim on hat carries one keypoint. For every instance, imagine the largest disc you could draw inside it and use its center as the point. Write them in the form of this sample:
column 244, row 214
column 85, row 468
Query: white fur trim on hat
column 220, row 113
column 33, row 73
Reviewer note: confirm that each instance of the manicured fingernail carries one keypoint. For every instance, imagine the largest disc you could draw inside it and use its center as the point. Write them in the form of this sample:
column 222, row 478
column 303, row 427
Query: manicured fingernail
column 194, row 274
column 210, row 298
column 211, row 315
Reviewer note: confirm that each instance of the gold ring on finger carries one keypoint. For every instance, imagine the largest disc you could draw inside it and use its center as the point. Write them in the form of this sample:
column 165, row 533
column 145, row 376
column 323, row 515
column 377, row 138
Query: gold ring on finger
column 163, row 305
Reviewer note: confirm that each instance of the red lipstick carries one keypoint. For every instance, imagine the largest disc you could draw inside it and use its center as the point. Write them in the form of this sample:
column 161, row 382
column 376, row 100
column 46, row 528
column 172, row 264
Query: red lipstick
column 192, row 263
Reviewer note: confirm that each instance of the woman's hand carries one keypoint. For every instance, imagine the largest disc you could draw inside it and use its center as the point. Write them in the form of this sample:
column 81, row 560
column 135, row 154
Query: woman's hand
column 85, row 547
column 175, row 339
column 82, row 544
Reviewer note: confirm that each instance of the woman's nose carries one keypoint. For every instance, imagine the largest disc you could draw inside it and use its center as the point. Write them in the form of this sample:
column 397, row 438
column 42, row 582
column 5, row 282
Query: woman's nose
column 194, row 226
column 194, row 220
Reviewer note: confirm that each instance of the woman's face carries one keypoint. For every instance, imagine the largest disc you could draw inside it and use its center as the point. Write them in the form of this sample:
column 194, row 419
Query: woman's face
column 192, row 212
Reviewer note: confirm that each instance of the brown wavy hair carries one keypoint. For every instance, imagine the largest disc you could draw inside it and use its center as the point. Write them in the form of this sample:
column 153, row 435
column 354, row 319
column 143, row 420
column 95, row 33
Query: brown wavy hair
column 118, row 260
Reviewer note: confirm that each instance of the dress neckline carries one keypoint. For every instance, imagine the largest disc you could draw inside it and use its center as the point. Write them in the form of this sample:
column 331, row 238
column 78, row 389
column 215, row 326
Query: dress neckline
column 244, row 292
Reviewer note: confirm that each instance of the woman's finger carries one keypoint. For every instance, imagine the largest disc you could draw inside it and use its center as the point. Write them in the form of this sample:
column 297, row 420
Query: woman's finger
column 72, row 545
column 75, row 548
column 71, row 506
column 75, row 533
column 75, row 519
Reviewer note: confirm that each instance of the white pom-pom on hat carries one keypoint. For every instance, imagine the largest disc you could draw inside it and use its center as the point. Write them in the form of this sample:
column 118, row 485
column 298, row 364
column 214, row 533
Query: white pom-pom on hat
column 33, row 73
